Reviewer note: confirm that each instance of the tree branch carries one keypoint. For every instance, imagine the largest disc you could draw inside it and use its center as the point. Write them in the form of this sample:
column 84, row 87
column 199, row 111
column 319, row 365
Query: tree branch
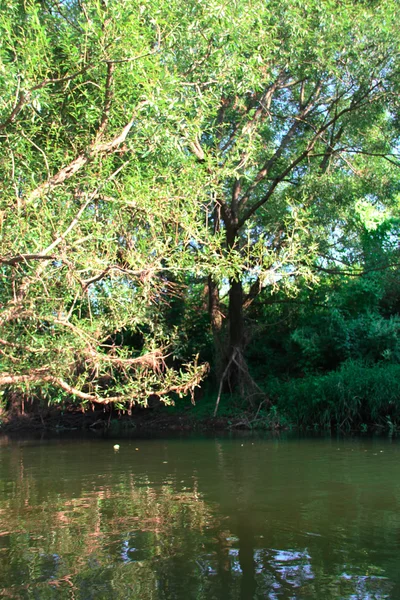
column 355, row 273
column 96, row 148
column 298, row 119
column 107, row 100
column 377, row 154
column 22, row 258
column 353, row 106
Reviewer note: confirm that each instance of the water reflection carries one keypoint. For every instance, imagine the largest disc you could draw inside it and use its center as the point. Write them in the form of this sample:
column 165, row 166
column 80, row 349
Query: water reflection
column 215, row 519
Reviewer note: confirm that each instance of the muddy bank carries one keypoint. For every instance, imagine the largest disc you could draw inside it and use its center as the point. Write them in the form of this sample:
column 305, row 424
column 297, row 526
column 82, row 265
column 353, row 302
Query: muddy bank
column 140, row 420
column 157, row 420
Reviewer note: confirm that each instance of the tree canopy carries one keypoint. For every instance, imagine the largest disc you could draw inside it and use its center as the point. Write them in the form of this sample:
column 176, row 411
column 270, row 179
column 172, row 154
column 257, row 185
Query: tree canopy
column 156, row 152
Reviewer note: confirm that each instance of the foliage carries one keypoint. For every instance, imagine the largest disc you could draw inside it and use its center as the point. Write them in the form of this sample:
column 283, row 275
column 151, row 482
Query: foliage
column 354, row 394
column 92, row 210
column 157, row 154
column 332, row 353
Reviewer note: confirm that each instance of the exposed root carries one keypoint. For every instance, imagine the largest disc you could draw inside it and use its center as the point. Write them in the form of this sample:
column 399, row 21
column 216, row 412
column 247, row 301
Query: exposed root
column 236, row 373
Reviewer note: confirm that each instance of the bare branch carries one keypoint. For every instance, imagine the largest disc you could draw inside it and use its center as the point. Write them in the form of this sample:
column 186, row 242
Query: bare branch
column 22, row 258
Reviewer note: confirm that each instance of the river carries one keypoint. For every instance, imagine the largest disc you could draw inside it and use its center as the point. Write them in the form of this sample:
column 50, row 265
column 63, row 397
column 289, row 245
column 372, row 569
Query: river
column 244, row 517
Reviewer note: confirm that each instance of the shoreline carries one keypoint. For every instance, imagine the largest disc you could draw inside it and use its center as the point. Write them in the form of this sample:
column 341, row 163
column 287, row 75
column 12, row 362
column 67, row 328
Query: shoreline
column 156, row 421
column 90, row 421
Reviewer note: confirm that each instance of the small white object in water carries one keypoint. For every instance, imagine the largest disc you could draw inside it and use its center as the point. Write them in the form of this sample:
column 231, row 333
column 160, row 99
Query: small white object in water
column 116, row 446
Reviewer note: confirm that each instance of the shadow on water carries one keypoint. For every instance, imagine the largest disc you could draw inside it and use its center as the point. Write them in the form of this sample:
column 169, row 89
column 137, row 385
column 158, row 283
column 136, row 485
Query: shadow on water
column 227, row 517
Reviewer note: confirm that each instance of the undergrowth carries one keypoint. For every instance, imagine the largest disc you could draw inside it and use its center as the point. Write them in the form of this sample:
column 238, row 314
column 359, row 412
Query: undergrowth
column 353, row 396
column 357, row 397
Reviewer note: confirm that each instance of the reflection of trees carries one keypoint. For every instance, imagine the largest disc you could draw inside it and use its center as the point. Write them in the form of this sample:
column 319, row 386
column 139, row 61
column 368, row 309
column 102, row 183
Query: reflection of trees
column 132, row 528
column 212, row 525
column 287, row 500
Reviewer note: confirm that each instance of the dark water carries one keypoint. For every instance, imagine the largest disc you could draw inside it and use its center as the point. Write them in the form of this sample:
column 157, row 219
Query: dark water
column 200, row 519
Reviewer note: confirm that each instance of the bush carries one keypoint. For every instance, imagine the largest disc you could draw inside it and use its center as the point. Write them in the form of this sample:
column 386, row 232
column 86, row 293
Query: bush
column 354, row 394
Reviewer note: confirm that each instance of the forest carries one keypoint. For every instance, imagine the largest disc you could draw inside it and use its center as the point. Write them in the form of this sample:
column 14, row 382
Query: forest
column 200, row 202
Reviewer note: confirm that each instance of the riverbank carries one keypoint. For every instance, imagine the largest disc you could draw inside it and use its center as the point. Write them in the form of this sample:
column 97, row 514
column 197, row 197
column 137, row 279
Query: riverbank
column 144, row 420
column 181, row 418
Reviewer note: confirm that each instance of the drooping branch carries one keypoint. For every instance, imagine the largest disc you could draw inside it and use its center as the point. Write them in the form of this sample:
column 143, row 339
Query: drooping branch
column 154, row 361
column 76, row 165
column 39, row 376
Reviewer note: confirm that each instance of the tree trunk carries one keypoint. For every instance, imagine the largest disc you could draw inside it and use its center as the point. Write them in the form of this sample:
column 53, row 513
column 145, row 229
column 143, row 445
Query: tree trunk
column 214, row 310
column 236, row 323
column 236, row 376
column 233, row 361
column 214, row 306
column 235, row 312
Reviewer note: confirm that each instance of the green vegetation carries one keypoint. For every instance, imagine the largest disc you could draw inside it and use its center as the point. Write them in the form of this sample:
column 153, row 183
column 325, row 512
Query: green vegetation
column 202, row 192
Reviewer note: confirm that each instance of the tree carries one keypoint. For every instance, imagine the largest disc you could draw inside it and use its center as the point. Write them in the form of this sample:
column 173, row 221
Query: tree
column 291, row 116
column 148, row 143
column 92, row 212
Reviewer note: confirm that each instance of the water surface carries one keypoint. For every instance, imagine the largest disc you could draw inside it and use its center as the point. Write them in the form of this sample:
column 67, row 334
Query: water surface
column 212, row 518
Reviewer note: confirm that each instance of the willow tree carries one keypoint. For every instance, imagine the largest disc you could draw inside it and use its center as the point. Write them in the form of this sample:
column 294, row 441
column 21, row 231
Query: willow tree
column 94, row 211
column 141, row 140
column 292, row 119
